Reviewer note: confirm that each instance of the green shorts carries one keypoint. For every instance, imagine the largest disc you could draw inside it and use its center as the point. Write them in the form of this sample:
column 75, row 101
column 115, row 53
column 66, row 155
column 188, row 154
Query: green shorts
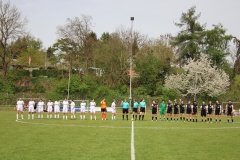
column 163, row 112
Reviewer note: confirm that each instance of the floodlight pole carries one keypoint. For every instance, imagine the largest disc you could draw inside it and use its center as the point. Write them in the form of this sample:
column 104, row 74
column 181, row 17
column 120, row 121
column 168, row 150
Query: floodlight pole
column 130, row 71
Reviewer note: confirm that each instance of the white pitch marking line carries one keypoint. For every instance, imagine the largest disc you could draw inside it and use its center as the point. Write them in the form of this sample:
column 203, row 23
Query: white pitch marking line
column 132, row 143
column 154, row 128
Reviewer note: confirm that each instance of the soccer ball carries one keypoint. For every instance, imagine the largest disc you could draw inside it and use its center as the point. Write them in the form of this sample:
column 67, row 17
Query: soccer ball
column 132, row 119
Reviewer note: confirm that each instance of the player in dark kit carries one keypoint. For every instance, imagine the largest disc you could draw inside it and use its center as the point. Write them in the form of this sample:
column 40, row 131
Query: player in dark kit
column 182, row 111
column 203, row 108
column 209, row 111
column 188, row 111
column 218, row 109
column 169, row 110
column 175, row 110
column 154, row 110
column 229, row 110
column 194, row 111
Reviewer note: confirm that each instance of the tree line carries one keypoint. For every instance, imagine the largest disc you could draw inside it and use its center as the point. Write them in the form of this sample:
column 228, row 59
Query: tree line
column 100, row 66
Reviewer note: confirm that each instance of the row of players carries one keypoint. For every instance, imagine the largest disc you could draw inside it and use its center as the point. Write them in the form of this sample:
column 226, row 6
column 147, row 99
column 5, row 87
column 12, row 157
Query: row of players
column 187, row 112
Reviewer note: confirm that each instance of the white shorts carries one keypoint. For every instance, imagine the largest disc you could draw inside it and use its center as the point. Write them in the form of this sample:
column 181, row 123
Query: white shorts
column 65, row 110
column 73, row 110
column 83, row 109
column 92, row 110
column 40, row 109
column 49, row 109
column 114, row 111
column 30, row 109
column 56, row 109
column 19, row 108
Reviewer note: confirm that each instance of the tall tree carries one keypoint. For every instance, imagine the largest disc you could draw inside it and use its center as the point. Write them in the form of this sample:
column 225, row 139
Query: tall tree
column 189, row 39
column 12, row 26
column 236, row 69
column 216, row 45
column 77, row 30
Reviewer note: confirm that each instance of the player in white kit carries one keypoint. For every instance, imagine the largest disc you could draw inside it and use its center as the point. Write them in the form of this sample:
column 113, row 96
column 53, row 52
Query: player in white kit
column 49, row 108
column 31, row 104
column 72, row 105
column 92, row 105
column 19, row 107
column 40, row 108
column 65, row 108
column 56, row 108
column 113, row 106
column 83, row 108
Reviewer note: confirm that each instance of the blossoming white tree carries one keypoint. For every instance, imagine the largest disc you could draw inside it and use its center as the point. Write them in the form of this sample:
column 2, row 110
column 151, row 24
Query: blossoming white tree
column 199, row 77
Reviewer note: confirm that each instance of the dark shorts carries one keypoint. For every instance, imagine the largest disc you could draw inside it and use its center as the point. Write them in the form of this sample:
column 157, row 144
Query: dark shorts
column 182, row 110
column 210, row 111
column 169, row 111
column 142, row 109
column 125, row 110
column 175, row 111
column 103, row 110
column 229, row 113
column 154, row 111
column 189, row 111
column 135, row 110
column 217, row 112
column 203, row 114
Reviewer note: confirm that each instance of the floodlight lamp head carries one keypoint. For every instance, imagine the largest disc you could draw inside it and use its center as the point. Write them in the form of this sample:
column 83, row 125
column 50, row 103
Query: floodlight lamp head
column 132, row 18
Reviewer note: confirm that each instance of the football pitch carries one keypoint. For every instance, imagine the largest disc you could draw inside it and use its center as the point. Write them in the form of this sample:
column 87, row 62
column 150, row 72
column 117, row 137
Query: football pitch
column 109, row 140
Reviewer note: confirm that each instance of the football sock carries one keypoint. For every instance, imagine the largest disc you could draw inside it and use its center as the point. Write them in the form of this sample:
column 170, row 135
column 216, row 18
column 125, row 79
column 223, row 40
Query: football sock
column 142, row 117
column 122, row 117
column 139, row 117
column 127, row 117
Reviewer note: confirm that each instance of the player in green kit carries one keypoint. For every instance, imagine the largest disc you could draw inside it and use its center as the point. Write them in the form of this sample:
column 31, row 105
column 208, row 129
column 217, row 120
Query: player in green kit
column 162, row 108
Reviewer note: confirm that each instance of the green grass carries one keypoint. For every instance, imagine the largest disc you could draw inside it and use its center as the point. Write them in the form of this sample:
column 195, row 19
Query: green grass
column 76, row 139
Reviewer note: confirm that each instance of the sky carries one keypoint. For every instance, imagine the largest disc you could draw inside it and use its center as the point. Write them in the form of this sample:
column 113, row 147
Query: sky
column 151, row 17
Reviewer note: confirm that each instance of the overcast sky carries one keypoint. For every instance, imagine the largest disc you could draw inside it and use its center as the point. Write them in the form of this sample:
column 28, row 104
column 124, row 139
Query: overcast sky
column 152, row 17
